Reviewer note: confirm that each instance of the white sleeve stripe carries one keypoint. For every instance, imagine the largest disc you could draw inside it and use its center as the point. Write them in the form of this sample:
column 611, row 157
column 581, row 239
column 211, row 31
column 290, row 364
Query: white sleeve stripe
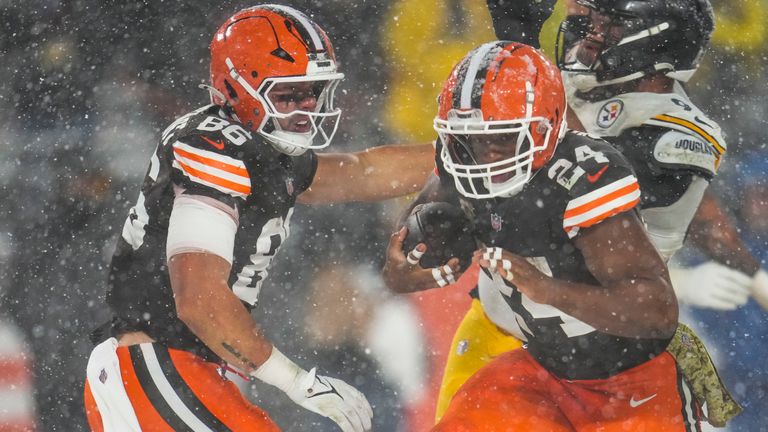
column 209, row 154
column 218, row 187
column 243, row 180
column 605, row 190
column 604, row 209
column 213, row 202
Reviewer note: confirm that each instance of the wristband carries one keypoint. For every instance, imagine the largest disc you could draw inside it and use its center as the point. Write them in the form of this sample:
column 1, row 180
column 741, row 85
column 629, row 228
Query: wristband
column 279, row 371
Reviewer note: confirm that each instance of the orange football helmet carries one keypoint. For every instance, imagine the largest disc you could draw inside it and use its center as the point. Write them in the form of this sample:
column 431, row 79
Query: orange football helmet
column 260, row 47
column 512, row 92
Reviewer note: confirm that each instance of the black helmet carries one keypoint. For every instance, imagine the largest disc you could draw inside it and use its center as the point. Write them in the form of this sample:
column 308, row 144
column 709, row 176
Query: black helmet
column 633, row 38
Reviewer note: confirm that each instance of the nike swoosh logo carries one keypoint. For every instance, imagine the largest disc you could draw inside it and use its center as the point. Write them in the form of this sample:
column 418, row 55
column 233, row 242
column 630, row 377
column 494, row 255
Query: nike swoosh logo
column 596, row 176
column 331, row 391
column 702, row 121
column 636, row 403
column 218, row 144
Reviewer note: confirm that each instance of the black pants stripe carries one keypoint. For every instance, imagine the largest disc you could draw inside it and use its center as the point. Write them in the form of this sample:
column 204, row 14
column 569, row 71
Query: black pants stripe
column 179, row 386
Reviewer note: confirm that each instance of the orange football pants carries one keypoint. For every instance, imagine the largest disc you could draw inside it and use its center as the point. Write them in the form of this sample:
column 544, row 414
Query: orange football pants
column 515, row 393
column 197, row 384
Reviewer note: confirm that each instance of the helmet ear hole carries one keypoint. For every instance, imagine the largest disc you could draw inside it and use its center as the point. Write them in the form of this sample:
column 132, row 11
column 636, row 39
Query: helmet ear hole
column 230, row 90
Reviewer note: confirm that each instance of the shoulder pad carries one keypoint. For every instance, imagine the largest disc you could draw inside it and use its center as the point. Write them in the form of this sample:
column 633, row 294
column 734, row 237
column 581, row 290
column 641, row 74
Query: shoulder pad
column 599, row 180
column 600, row 203
column 610, row 117
column 207, row 167
column 691, row 122
column 583, row 162
column 210, row 151
column 212, row 129
column 613, row 116
column 678, row 149
column 220, row 132
column 181, row 125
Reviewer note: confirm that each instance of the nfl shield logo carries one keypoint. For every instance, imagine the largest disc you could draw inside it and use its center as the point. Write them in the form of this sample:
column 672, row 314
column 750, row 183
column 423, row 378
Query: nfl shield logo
column 496, row 222
column 289, row 185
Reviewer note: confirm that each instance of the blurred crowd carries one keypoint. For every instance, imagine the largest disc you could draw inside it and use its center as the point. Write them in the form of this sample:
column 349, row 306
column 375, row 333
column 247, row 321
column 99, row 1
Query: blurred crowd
column 85, row 89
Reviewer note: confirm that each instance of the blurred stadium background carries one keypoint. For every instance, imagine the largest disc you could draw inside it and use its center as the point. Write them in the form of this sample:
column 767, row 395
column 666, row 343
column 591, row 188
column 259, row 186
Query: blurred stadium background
column 85, row 89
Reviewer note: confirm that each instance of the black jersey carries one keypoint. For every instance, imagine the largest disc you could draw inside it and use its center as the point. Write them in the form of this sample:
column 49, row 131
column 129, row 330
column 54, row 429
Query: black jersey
column 585, row 182
column 204, row 153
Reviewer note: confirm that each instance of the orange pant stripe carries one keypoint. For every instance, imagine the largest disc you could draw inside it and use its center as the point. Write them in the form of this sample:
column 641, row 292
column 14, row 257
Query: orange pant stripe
column 198, row 391
column 220, row 396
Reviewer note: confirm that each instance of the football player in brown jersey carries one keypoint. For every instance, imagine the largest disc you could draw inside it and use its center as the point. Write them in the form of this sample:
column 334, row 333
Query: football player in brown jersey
column 213, row 210
column 623, row 63
column 566, row 263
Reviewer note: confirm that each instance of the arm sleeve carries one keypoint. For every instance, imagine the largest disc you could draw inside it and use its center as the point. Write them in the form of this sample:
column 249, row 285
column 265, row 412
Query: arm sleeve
column 201, row 224
column 520, row 20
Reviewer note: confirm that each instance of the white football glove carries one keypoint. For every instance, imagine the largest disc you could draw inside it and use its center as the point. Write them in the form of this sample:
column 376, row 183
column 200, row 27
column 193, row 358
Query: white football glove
column 711, row 285
column 329, row 397
column 760, row 288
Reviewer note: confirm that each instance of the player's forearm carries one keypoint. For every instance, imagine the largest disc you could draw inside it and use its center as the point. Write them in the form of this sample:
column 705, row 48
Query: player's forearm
column 226, row 327
column 715, row 234
column 639, row 307
column 633, row 297
column 394, row 171
column 217, row 317
column 375, row 174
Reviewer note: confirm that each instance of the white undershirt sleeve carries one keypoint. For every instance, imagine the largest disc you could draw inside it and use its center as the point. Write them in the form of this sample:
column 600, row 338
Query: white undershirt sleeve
column 201, row 224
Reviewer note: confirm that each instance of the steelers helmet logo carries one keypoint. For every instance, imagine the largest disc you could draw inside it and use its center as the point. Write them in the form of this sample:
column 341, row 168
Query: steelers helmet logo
column 609, row 113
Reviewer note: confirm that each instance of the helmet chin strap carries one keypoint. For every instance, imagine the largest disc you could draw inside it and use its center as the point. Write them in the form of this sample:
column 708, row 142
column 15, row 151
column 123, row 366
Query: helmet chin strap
column 290, row 143
column 213, row 92
column 515, row 185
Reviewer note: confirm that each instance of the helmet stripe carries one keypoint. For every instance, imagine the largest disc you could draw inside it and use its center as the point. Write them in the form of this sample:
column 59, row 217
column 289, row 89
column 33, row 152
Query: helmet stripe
column 305, row 22
column 651, row 31
column 475, row 63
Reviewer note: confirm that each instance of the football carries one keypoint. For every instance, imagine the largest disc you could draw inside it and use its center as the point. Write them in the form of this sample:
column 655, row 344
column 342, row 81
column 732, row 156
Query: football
column 446, row 231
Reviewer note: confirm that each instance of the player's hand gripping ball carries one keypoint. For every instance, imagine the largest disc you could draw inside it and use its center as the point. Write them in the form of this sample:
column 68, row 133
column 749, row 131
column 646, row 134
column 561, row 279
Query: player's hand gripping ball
column 446, row 232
